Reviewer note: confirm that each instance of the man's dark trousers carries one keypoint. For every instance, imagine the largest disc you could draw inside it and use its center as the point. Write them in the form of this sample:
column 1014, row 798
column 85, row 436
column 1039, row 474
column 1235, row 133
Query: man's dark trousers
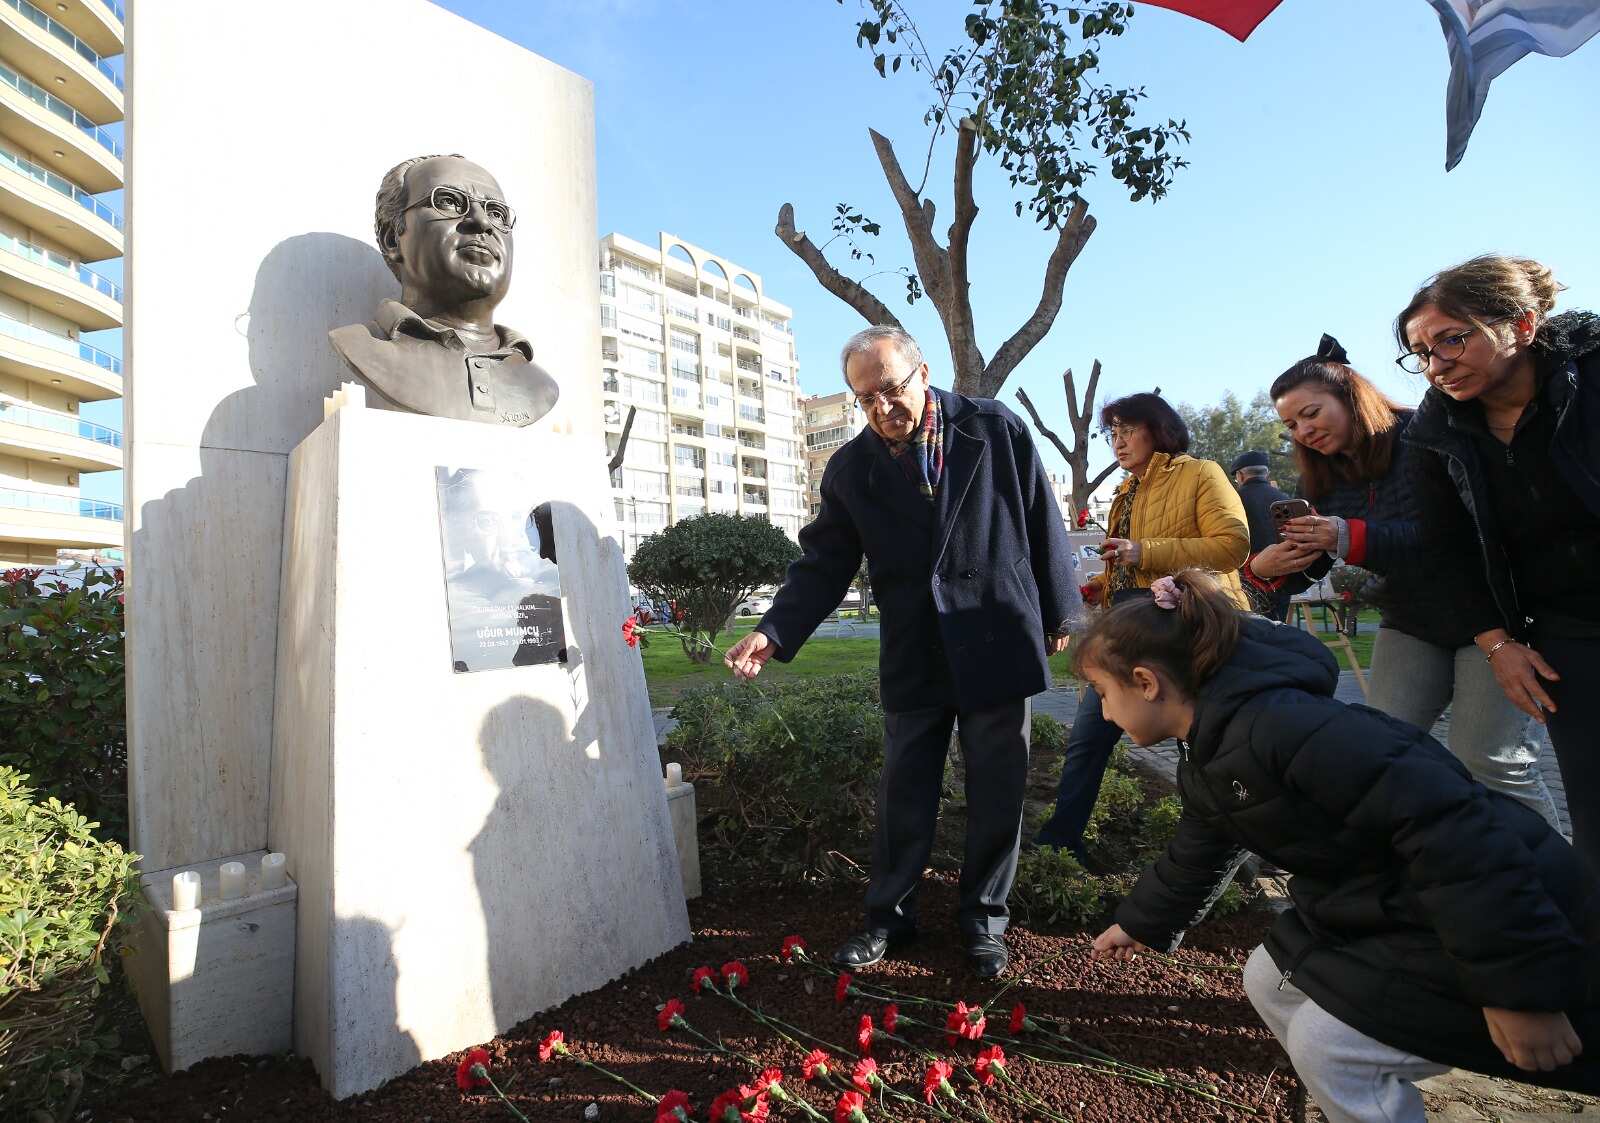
column 994, row 748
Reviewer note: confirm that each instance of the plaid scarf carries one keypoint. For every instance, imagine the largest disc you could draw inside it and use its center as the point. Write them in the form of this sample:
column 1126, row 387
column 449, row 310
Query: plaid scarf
column 922, row 457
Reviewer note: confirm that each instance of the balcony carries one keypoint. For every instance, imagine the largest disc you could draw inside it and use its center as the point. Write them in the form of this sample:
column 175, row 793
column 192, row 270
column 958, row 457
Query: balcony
column 48, row 53
column 753, row 365
column 41, row 356
column 97, row 23
column 42, row 200
column 36, row 119
column 58, row 520
column 61, row 438
column 54, row 282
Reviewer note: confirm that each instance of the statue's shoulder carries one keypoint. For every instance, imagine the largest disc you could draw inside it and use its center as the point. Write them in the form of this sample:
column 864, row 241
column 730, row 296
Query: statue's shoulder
column 354, row 339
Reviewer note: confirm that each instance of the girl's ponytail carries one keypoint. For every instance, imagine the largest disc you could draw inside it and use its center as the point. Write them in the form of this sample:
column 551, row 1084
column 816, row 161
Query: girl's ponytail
column 1188, row 629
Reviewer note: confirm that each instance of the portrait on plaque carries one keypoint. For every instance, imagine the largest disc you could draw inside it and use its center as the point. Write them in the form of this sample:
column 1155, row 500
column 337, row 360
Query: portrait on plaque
column 502, row 587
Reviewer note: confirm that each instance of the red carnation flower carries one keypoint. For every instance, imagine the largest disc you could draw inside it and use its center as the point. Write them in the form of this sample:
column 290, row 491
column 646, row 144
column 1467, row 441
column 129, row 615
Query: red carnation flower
column 1019, row 1019
column 842, row 988
column 674, row 1107
column 668, row 1014
column 815, row 1065
column 758, row 1108
column 1083, row 517
column 704, row 978
column 791, row 946
column 865, row 1074
column 769, row 1078
column 727, row 1108
column 937, row 1079
column 554, row 1044
column 735, row 975
column 1347, row 596
column 1090, row 592
column 964, row 1021
column 850, row 1108
column 473, row 1071
column 630, row 631
column 891, row 1017
column 991, row 1063
column 864, row 1035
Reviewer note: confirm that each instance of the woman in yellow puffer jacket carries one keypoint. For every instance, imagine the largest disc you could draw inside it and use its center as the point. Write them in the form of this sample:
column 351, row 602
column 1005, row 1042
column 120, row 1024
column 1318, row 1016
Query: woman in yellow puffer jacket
column 1172, row 512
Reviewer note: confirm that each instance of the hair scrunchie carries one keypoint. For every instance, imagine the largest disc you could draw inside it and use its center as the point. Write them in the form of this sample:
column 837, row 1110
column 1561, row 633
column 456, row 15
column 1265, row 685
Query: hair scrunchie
column 1167, row 592
column 1331, row 351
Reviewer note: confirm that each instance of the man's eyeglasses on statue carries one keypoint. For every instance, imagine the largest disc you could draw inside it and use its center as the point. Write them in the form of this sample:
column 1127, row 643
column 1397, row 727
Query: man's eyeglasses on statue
column 456, row 202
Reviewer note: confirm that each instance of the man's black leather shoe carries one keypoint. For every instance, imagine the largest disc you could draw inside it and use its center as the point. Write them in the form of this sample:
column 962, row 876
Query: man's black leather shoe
column 987, row 954
column 866, row 948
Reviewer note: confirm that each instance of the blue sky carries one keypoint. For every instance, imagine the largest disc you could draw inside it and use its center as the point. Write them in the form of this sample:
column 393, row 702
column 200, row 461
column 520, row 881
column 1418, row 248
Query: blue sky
column 1316, row 198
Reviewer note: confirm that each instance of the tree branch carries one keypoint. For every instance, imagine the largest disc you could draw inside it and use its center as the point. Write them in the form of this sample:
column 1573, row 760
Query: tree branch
column 873, row 310
column 917, row 213
column 622, row 444
column 962, row 332
column 1088, row 395
column 1033, row 414
column 1075, row 233
column 1101, row 478
column 1074, row 416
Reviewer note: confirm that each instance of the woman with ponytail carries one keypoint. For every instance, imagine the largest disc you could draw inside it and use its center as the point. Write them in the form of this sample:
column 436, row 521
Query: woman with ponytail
column 1435, row 923
column 1508, row 436
column 1358, row 476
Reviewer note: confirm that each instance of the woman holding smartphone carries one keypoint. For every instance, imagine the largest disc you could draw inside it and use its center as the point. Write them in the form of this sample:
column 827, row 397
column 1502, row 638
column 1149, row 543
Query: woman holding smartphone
column 1508, row 443
column 1358, row 475
column 1170, row 513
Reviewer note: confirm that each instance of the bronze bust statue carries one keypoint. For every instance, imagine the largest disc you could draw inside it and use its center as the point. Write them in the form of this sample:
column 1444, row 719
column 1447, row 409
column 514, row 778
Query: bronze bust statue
column 445, row 229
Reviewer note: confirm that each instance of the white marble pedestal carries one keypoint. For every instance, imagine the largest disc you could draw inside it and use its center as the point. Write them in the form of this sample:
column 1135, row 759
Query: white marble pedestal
column 471, row 848
column 685, row 832
column 218, row 979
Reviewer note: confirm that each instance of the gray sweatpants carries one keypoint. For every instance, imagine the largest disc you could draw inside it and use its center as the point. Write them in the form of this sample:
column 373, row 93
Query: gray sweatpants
column 1353, row 1078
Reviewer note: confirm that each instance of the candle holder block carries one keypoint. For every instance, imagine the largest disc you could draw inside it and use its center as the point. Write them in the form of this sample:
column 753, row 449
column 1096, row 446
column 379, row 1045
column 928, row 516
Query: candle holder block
column 195, row 970
column 685, row 824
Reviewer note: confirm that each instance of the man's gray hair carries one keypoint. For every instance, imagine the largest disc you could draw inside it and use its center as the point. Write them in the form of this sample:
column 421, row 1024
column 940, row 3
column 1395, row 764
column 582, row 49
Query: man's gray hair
column 1255, row 472
column 868, row 338
column 389, row 216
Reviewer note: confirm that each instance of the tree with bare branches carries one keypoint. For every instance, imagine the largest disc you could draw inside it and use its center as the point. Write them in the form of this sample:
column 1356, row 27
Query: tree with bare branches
column 1081, row 419
column 1018, row 90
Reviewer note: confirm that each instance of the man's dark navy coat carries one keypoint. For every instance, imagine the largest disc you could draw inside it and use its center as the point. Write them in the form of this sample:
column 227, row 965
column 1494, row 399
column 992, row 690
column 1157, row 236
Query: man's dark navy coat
column 967, row 586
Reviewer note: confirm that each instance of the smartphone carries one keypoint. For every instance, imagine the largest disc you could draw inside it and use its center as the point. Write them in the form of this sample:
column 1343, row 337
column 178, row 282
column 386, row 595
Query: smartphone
column 1285, row 509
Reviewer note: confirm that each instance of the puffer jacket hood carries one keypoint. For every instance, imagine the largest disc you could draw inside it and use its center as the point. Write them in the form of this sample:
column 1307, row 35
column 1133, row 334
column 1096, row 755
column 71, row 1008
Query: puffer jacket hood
column 1269, row 657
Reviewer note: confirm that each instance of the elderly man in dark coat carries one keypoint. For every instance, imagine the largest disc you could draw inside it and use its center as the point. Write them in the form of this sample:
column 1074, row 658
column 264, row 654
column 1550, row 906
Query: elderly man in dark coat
column 976, row 583
column 1250, row 471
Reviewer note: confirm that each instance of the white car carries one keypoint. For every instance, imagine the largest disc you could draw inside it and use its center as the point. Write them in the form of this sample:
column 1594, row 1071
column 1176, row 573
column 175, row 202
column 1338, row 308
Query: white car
column 754, row 606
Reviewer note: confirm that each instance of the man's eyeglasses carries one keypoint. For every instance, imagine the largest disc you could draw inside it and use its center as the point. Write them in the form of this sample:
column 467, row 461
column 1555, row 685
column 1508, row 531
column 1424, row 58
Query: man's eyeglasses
column 456, row 202
column 1447, row 350
column 1125, row 432
column 868, row 402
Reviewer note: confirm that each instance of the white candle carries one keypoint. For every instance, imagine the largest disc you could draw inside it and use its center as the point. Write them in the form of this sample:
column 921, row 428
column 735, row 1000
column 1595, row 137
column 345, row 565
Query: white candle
column 674, row 775
column 232, row 880
column 185, row 891
column 272, row 871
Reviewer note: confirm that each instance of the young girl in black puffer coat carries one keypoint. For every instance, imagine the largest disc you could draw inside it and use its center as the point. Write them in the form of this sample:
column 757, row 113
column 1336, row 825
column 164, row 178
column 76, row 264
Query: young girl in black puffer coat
column 1436, row 924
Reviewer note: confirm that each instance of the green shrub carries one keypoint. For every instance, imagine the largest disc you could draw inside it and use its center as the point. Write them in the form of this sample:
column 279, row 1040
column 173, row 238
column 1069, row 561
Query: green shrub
column 1117, row 808
column 1160, row 824
column 1053, row 889
column 62, row 699
column 793, row 767
column 1048, row 734
column 62, row 892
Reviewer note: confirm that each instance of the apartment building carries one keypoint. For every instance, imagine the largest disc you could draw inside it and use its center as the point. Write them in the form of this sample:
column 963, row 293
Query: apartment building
column 829, row 420
column 706, row 356
column 58, row 92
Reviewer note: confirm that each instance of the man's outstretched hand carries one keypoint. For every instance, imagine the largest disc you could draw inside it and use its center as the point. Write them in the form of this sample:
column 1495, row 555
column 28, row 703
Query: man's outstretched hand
column 749, row 655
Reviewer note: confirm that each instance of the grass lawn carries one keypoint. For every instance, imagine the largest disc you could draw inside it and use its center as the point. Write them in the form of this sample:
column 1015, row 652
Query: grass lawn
column 668, row 670
column 670, row 673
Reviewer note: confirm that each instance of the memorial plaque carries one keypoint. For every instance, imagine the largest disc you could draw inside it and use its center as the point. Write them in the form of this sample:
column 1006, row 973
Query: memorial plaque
column 501, row 582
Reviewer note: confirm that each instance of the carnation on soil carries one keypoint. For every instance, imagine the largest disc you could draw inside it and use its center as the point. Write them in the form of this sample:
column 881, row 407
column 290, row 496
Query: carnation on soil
column 1193, row 1024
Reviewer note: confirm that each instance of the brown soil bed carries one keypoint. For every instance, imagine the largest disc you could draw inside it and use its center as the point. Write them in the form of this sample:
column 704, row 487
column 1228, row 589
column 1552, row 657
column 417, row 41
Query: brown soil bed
column 1186, row 1020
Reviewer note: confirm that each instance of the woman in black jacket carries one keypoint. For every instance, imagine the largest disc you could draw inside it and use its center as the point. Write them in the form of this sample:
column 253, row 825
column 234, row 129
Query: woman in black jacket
column 1509, row 490
column 1358, row 476
column 1435, row 923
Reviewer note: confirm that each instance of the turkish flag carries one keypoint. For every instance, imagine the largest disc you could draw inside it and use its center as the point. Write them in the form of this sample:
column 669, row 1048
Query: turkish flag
column 1237, row 17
